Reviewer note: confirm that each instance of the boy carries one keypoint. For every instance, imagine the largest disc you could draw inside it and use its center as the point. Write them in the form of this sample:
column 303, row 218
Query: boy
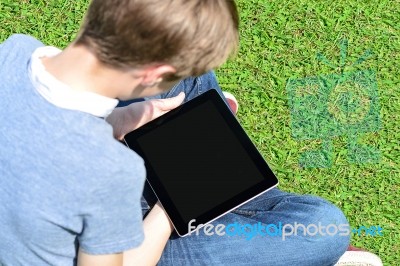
column 70, row 192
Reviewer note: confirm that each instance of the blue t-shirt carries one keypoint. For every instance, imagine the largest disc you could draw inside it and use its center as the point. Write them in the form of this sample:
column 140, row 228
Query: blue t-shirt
column 64, row 180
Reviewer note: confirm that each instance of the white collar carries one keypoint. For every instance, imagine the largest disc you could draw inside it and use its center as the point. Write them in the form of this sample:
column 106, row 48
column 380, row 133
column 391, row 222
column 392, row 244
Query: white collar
column 62, row 95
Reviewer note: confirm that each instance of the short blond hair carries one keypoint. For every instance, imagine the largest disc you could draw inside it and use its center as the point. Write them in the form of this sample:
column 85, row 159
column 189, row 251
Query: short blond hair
column 193, row 36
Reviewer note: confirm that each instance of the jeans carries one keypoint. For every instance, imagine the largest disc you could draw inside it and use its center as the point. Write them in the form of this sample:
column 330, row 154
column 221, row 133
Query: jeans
column 273, row 207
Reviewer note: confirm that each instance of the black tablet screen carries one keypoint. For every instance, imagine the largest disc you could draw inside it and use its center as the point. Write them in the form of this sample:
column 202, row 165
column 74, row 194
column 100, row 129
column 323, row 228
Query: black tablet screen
column 199, row 160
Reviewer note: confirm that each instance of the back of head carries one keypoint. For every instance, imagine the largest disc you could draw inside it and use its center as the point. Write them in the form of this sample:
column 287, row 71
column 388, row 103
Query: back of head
column 193, row 36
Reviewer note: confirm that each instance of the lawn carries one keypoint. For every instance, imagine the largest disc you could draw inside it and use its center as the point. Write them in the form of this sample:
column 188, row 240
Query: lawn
column 280, row 40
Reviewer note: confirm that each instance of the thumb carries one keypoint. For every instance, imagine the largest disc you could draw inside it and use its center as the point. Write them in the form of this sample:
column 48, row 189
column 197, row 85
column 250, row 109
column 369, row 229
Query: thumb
column 174, row 102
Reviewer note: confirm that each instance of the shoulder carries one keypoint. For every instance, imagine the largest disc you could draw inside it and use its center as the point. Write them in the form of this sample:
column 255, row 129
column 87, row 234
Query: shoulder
column 22, row 39
column 19, row 43
column 16, row 51
column 113, row 163
column 114, row 185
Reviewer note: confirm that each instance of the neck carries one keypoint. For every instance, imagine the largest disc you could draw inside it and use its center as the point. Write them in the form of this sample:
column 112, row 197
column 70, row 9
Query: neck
column 78, row 68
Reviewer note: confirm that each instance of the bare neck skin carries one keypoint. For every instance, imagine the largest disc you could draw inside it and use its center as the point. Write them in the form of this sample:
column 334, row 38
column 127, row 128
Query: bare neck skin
column 78, row 68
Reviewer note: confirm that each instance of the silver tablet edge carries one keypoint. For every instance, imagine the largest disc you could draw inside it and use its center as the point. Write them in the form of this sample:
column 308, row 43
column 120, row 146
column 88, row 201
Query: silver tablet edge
column 202, row 225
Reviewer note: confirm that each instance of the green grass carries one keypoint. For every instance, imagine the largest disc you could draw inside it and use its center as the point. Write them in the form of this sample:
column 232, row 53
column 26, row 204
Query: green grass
column 279, row 40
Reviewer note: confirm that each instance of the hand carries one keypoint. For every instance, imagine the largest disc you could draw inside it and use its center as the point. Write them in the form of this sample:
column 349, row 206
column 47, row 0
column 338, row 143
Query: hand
column 128, row 118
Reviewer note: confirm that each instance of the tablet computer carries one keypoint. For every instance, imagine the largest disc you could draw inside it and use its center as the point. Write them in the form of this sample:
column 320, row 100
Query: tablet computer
column 200, row 162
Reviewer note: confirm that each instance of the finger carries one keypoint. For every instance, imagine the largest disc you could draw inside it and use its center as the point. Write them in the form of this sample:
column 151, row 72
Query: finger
column 179, row 98
column 174, row 102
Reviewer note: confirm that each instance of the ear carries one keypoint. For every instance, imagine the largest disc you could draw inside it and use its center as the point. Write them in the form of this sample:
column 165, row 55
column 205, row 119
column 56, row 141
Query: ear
column 153, row 75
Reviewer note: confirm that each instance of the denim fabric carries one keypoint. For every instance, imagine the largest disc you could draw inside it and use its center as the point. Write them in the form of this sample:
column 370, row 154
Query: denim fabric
column 273, row 207
column 192, row 86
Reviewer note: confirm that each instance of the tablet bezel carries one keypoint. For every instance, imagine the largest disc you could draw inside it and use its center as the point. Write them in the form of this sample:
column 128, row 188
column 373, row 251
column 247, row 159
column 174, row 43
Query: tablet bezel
column 270, row 181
